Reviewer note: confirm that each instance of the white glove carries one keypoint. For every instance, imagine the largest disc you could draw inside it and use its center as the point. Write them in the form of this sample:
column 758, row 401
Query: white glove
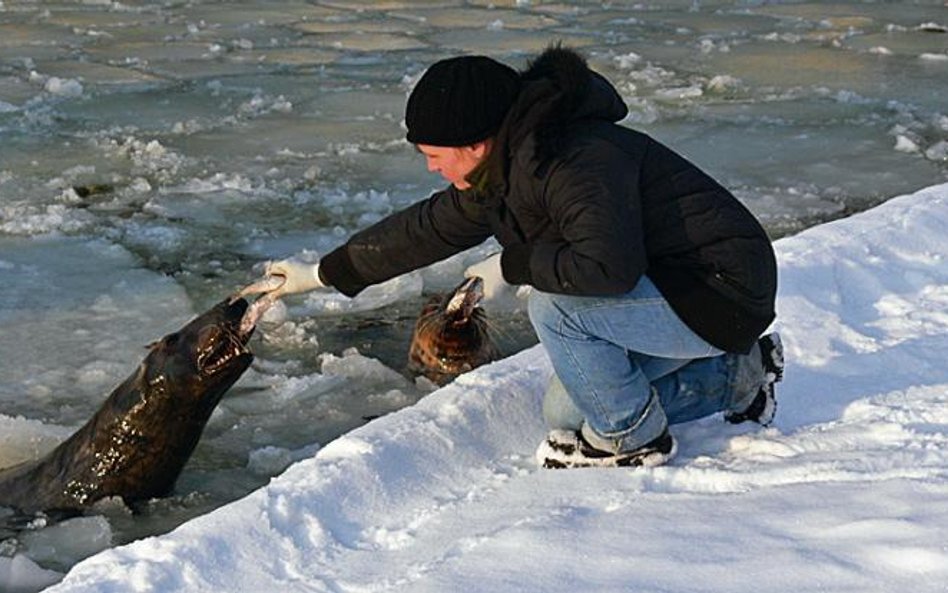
column 297, row 277
column 490, row 272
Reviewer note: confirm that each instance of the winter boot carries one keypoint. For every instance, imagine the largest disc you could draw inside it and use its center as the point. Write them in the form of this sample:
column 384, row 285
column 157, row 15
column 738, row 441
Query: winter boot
column 569, row 448
column 764, row 406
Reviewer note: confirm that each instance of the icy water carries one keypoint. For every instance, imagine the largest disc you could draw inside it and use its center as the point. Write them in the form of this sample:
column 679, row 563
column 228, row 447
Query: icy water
column 155, row 153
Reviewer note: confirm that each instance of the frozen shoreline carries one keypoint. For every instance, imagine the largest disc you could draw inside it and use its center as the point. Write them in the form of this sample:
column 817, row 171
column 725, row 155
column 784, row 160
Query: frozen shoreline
column 847, row 492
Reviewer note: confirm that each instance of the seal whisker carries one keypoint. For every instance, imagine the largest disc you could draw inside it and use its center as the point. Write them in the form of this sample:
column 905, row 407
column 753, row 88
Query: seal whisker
column 494, row 329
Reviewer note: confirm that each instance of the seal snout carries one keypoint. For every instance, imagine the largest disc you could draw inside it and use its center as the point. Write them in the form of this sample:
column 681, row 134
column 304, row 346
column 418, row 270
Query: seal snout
column 461, row 303
column 220, row 344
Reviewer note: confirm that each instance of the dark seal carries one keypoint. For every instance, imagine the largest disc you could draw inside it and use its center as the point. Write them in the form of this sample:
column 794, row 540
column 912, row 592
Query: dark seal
column 136, row 445
column 451, row 335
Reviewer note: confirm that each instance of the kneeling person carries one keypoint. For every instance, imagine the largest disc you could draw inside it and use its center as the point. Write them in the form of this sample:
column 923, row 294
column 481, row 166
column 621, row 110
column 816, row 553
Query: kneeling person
column 652, row 283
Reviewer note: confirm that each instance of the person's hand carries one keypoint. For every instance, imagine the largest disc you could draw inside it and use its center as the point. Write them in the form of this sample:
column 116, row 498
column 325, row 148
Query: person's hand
column 490, row 272
column 297, row 277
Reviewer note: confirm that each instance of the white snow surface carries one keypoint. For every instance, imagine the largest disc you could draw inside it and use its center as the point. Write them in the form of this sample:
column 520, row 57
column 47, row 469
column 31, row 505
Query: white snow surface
column 846, row 492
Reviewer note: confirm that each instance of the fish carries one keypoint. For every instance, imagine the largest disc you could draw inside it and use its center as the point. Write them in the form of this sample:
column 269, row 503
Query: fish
column 137, row 443
column 451, row 335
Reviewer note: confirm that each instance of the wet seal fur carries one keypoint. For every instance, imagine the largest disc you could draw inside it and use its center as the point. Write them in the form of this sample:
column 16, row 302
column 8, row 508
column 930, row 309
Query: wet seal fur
column 451, row 335
column 137, row 443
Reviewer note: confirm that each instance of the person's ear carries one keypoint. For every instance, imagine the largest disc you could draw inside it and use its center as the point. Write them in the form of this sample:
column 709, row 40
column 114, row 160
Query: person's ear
column 482, row 148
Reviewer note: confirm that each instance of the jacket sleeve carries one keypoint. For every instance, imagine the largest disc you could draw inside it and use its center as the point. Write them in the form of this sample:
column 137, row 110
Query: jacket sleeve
column 592, row 198
column 425, row 232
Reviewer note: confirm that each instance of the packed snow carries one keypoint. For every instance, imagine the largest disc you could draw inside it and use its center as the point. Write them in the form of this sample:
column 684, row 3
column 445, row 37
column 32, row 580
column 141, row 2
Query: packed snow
column 846, row 492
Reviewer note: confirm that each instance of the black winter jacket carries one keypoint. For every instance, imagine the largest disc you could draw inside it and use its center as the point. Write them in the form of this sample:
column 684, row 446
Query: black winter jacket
column 584, row 206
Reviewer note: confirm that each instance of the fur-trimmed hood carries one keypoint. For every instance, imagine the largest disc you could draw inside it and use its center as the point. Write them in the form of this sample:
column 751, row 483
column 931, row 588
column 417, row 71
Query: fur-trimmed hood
column 557, row 90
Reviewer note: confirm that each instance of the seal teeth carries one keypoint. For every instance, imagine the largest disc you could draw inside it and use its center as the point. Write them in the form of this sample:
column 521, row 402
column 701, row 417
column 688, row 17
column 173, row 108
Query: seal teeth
column 227, row 349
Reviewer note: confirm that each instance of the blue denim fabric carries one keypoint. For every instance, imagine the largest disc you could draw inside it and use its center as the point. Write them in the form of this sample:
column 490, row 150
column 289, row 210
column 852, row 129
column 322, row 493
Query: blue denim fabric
column 629, row 366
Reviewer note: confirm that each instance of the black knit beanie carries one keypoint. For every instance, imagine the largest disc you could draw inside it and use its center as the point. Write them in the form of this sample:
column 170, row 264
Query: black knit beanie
column 460, row 101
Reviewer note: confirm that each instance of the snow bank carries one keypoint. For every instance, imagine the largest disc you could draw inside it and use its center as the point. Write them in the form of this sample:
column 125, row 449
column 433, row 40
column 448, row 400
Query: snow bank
column 848, row 491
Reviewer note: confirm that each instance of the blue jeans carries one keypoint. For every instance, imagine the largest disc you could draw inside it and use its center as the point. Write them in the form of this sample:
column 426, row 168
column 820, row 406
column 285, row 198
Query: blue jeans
column 629, row 367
